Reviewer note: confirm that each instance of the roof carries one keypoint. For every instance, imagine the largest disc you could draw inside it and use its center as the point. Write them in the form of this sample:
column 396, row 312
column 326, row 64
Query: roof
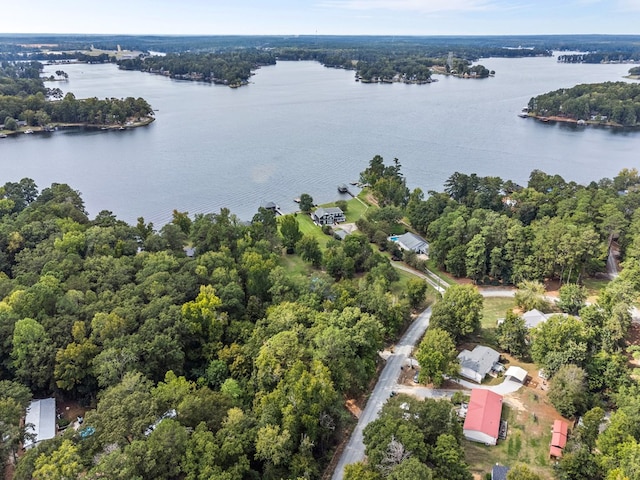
column 321, row 212
column 481, row 359
column 41, row 414
column 484, row 411
column 555, row 452
column 499, row 472
column 269, row 206
column 341, row 234
column 412, row 241
column 533, row 317
column 559, row 437
column 516, row 372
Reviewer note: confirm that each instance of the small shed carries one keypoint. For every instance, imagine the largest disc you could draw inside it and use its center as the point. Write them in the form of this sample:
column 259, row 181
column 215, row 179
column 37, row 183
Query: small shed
column 516, row 374
column 482, row 423
column 40, row 422
column 558, row 438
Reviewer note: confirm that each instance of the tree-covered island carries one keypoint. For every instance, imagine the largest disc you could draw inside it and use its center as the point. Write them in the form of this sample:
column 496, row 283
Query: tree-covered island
column 609, row 103
column 27, row 105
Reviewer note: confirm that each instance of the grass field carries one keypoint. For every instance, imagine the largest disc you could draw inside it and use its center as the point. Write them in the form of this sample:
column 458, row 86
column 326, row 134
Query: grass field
column 494, row 308
column 530, row 419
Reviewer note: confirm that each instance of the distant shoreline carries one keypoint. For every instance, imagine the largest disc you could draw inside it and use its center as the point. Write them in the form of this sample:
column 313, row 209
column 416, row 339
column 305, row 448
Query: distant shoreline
column 54, row 126
column 556, row 119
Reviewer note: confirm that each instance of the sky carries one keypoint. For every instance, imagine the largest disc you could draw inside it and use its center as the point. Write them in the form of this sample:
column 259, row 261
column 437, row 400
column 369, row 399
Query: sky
column 322, row 17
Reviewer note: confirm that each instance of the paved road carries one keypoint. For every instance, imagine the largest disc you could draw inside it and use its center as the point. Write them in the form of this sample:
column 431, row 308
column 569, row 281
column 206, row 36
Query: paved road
column 430, row 277
column 354, row 452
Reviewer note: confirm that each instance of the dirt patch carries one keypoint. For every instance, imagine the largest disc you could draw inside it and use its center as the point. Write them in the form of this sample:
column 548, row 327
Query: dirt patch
column 353, row 408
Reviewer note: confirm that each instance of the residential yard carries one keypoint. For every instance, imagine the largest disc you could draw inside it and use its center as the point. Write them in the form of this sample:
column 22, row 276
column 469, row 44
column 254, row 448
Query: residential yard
column 530, row 419
column 594, row 285
column 494, row 308
column 294, row 265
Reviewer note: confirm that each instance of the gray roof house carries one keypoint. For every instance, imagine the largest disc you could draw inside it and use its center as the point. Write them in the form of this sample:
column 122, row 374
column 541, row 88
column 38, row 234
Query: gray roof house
column 411, row 241
column 499, row 472
column 40, row 421
column 328, row 216
column 534, row 317
column 475, row 364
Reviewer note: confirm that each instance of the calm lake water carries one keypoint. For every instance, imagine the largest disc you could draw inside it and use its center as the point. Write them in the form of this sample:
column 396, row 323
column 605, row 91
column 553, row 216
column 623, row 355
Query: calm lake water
column 300, row 127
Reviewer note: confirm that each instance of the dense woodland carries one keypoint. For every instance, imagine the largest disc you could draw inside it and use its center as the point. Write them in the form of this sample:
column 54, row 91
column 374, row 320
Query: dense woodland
column 617, row 102
column 23, row 97
column 256, row 360
column 229, row 68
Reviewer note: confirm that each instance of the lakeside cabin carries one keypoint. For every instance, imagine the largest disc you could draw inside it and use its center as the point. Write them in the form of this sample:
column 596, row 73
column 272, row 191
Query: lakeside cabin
column 328, row 216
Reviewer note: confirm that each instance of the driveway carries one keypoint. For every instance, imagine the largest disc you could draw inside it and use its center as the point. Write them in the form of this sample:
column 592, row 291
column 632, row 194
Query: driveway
column 354, row 451
column 505, row 388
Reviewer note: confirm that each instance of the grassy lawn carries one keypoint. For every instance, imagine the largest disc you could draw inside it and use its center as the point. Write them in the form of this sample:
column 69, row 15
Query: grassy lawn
column 494, row 308
column 294, row 265
column 528, row 438
column 307, row 227
column 594, row 285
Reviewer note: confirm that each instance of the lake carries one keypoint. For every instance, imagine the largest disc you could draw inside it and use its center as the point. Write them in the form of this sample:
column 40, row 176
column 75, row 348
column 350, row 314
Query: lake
column 300, row 127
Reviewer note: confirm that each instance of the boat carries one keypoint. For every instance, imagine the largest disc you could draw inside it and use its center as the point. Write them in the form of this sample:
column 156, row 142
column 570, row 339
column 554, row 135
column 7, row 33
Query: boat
column 3, row 135
column 29, row 131
column 523, row 115
column 122, row 128
column 342, row 188
column 581, row 123
column 297, row 200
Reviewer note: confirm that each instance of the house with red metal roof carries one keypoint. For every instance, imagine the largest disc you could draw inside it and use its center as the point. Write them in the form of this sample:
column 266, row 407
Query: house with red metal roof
column 558, row 438
column 482, row 423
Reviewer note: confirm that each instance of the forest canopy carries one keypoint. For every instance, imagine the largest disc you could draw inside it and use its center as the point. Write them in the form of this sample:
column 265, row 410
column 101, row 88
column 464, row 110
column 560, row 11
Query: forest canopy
column 615, row 102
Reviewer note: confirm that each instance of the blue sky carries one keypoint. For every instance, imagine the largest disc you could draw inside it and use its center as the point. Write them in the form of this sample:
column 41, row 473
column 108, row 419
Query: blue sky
column 324, row 17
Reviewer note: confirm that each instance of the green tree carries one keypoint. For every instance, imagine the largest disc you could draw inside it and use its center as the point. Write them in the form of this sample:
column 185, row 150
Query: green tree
column 558, row 341
column 459, row 312
column 411, row 469
column 309, row 250
column 448, row 457
column 530, row 295
column 512, row 335
column 306, row 203
column 64, row 463
column 568, row 390
column 290, row 232
column 437, row 357
column 572, row 298
column 521, row 471
column 124, row 411
column 32, row 354
column 416, row 290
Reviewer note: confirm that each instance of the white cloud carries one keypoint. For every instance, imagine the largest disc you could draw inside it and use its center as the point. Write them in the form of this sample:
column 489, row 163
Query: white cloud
column 422, row 6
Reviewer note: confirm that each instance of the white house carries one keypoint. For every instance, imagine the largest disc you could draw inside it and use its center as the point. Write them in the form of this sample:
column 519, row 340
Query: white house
column 40, row 422
column 482, row 423
column 413, row 242
column 475, row 364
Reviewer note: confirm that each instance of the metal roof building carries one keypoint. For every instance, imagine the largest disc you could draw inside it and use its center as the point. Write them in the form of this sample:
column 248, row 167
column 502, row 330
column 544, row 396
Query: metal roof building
column 40, row 421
